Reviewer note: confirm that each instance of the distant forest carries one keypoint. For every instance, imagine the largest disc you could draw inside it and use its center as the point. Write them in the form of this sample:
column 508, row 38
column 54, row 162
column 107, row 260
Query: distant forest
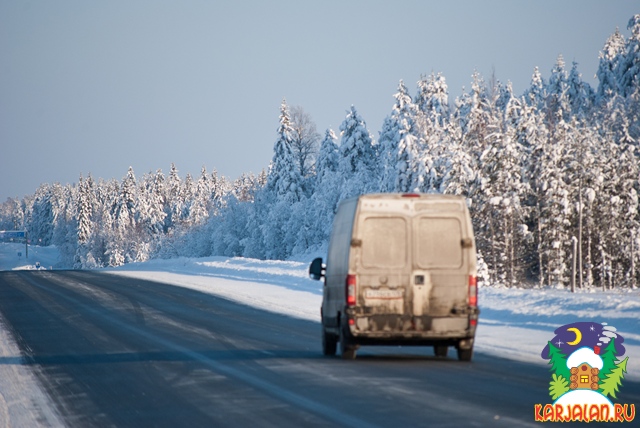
column 555, row 165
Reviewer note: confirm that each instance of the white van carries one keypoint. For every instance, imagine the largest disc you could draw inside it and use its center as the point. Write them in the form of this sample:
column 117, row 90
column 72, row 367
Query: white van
column 401, row 270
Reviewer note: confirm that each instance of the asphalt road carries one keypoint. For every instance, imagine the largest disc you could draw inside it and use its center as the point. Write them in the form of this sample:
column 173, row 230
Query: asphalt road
column 113, row 351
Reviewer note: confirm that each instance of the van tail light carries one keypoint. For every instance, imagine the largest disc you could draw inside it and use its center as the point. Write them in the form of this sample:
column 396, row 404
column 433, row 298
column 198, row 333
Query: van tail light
column 351, row 290
column 410, row 195
column 473, row 290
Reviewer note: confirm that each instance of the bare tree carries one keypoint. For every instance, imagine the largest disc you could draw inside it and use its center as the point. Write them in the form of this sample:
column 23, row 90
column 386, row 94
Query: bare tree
column 305, row 140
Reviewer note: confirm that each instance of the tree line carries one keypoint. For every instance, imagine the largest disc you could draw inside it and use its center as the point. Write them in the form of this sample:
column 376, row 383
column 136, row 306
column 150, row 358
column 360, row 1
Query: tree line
column 540, row 170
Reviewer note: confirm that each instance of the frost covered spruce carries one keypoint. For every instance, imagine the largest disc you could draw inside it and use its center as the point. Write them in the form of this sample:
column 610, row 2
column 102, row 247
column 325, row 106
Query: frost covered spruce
column 540, row 170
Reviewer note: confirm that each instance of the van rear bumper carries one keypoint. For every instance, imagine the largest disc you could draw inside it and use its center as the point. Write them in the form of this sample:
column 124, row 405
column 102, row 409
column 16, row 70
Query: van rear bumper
column 425, row 330
column 395, row 339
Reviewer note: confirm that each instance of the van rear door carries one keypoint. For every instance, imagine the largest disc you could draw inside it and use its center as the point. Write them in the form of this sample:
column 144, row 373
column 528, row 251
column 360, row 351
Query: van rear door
column 383, row 266
column 439, row 255
column 412, row 272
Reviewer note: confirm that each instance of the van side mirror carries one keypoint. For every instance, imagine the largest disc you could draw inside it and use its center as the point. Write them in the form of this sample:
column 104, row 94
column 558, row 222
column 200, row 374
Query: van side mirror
column 316, row 269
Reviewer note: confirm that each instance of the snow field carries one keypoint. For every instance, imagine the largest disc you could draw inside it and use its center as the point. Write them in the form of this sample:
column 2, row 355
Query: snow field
column 9, row 259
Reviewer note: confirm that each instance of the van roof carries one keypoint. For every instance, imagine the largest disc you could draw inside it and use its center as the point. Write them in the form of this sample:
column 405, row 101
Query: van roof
column 411, row 201
column 428, row 196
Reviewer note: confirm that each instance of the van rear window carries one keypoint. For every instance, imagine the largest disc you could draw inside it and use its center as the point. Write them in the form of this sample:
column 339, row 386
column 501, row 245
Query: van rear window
column 384, row 242
column 439, row 243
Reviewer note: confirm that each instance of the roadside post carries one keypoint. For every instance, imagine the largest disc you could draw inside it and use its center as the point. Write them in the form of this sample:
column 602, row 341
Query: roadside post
column 574, row 259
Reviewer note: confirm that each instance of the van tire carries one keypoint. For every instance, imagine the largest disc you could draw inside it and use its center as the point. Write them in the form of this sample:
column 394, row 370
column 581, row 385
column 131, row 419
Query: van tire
column 465, row 354
column 347, row 349
column 329, row 343
column 441, row 351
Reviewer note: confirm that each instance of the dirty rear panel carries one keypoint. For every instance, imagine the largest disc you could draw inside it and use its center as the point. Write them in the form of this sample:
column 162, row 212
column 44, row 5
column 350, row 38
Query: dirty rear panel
column 412, row 259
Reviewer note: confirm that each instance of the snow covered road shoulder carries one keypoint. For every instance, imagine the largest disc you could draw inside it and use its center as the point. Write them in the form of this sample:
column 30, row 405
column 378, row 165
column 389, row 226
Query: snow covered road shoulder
column 22, row 401
column 514, row 323
column 276, row 286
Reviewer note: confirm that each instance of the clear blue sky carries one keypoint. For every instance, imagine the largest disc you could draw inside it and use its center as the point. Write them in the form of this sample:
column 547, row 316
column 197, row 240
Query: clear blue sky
column 89, row 86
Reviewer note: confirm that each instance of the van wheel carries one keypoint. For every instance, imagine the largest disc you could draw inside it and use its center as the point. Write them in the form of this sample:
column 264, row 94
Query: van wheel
column 441, row 351
column 329, row 343
column 347, row 349
column 465, row 354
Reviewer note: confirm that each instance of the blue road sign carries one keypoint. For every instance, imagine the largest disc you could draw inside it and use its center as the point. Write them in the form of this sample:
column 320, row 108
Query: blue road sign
column 7, row 234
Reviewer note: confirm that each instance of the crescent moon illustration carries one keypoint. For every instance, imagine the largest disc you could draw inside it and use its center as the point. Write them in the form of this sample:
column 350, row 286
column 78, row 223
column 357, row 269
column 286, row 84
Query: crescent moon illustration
column 578, row 336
